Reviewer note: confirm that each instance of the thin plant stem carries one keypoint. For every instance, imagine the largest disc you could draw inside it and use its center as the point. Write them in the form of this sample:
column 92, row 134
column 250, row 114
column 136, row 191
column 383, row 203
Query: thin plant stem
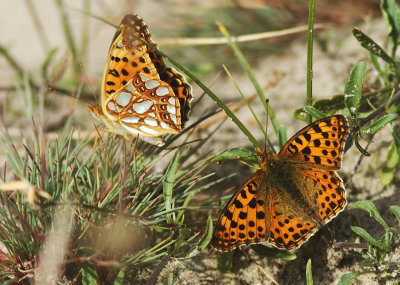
column 310, row 34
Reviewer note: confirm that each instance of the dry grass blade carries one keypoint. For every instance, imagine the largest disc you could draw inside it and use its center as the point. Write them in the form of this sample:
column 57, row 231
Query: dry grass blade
column 238, row 39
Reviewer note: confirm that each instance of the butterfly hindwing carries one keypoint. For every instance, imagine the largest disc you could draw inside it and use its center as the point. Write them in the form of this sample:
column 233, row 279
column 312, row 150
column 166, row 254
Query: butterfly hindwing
column 329, row 191
column 181, row 89
column 244, row 220
column 288, row 230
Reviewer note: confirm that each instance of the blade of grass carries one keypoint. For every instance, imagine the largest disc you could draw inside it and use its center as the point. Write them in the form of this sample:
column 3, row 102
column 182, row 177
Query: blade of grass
column 311, row 13
column 68, row 36
column 246, row 67
column 85, row 33
column 168, row 185
column 238, row 39
column 214, row 98
column 250, row 108
column 38, row 25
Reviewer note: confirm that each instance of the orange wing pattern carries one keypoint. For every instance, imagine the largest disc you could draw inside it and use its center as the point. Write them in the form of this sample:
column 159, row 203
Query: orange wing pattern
column 319, row 144
column 292, row 195
column 243, row 221
column 140, row 95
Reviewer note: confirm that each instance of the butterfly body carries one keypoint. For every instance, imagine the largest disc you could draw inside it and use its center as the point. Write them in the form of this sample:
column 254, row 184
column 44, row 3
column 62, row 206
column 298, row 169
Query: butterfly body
column 140, row 94
column 292, row 194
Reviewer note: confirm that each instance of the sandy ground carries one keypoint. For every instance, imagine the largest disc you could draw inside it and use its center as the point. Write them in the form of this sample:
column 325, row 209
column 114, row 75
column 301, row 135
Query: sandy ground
column 331, row 69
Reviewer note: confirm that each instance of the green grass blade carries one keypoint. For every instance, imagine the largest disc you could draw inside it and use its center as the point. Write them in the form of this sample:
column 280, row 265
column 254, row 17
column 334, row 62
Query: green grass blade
column 392, row 161
column 310, row 33
column 168, row 186
column 390, row 11
column 309, row 279
column 215, row 99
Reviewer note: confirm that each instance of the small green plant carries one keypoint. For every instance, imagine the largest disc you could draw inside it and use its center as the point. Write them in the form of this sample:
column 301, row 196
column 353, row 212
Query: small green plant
column 123, row 215
column 378, row 259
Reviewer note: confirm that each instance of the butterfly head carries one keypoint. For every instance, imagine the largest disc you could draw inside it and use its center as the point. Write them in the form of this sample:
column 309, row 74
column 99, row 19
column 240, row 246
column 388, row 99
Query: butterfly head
column 265, row 157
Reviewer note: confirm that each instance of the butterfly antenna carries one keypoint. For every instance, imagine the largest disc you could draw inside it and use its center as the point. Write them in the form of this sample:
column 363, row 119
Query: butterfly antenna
column 65, row 92
column 85, row 79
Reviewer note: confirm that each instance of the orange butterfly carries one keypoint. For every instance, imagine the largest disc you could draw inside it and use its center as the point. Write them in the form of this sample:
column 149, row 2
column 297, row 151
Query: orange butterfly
column 140, row 94
column 292, row 194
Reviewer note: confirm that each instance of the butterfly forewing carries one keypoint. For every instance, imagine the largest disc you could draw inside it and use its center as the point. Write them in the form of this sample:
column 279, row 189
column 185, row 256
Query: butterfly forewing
column 320, row 143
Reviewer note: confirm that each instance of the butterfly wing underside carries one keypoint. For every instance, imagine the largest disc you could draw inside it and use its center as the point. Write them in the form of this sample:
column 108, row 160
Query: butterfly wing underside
column 140, row 95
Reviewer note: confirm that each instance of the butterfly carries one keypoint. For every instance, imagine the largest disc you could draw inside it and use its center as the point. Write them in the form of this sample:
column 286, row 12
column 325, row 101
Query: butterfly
column 140, row 94
column 292, row 194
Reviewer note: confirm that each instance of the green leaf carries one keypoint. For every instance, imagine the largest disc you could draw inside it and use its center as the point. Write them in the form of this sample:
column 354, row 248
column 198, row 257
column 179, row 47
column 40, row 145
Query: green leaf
column 396, row 139
column 370, row 45
column 392, row 160
column 348, row 278
column 309, row 279
column 390, row 12
column 330, row 106
column 370, row 239
column 327, row 106
column 168, row 185
column 170, row 278
column 314, row 112
column 396, row 211
column 353, row 87
column 387, row 239
column 364, row 234
column 89, row 275
column 369, row 207
column 273, row 252
column 119, row 280
column 207, row 236
column 204, row 240
column 179, row 242
column 244, row 154
column 186, row 202
column 224, row 260
column 378, row 124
